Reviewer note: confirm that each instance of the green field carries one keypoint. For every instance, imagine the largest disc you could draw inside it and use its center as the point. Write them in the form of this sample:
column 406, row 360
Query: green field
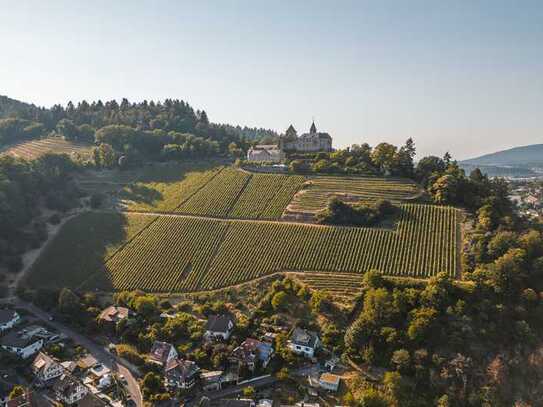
column 318, row 190
column 178, row 254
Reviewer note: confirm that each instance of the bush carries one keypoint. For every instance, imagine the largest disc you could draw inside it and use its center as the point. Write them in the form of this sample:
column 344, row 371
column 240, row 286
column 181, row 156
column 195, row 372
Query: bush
column 130, row 353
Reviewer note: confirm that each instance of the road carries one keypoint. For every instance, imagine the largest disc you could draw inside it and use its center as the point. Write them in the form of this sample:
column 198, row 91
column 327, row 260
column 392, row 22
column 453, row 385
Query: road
column 96, row 350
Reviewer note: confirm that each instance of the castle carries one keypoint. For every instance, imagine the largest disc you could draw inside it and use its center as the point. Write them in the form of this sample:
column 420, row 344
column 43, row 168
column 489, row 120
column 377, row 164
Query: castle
column 290, row 142
column 311, row 142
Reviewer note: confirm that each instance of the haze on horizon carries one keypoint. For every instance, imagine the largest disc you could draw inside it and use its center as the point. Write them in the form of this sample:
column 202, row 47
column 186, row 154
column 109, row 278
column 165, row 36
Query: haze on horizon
column 459, row 76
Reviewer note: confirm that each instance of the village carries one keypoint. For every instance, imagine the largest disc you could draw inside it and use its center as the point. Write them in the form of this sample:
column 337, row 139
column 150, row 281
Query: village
column 276, row 364
column 528, row 195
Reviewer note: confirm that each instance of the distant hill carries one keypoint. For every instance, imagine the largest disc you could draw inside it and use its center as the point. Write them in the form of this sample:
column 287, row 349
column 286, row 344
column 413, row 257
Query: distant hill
column 11, row 107
column 524, row 157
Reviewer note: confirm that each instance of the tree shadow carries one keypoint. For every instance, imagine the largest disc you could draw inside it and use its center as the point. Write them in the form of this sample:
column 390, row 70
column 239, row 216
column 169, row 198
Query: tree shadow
column 79, row 252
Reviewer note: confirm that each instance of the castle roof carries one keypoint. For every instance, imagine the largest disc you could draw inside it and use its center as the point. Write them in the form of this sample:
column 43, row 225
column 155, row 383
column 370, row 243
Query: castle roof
column 313, row 128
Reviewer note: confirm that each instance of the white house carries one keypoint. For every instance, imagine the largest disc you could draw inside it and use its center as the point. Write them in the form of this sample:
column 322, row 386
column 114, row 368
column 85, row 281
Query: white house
column 219, row 326
column 304, row 342
column 329, row 381
column 162, row 353
column 21, row 344
column 69, row 390
column 8, row 319
column 265, row 153
column 45, row 368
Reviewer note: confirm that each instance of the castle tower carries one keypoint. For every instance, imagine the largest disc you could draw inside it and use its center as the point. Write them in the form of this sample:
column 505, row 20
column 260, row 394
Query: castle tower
column 313, row 128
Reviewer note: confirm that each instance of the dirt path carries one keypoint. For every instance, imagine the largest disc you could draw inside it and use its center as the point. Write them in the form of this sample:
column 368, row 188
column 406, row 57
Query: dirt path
column 30, row 257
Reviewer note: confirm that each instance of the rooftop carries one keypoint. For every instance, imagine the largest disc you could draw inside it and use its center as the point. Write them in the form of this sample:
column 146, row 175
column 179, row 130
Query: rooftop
column 7, row 315
column 219, row 323
column 303, row 337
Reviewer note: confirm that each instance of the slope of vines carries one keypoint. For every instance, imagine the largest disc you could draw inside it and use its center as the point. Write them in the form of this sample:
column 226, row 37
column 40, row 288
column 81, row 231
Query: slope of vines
column 189, row 254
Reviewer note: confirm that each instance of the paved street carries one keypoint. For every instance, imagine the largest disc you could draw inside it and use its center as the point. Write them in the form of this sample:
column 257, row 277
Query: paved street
column 104, row 357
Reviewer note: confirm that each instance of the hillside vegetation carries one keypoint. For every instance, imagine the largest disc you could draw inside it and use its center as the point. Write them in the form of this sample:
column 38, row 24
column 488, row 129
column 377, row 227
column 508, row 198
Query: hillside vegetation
column 175, row 254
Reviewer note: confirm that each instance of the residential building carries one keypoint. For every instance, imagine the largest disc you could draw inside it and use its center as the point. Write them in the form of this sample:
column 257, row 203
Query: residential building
column 304, row 342
column 219, row 327
column 45, row 368
column 113, row 314
column 8, row 319
column 26, row 400
column 181, row 373
column 21, row 344
column 329, row 381
column 162, row 353
column 69, row 390
column 86, row 362
column 250, row 352
column 265, row 153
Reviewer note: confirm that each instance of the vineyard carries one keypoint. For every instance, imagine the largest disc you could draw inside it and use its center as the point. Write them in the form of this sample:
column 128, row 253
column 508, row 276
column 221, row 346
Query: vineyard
column 179, row 254
column 85, row 243
column 318, row 190
column 164, row 188
column 31, row 150
column 210, row 191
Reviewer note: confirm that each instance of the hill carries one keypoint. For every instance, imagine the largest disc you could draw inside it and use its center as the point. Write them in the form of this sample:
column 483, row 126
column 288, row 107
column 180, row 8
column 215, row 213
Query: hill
column 525, row 156
column 11, row 107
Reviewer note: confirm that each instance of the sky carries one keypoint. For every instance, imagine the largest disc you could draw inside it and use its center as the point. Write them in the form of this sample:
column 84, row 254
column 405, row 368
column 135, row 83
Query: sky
column 458, row 76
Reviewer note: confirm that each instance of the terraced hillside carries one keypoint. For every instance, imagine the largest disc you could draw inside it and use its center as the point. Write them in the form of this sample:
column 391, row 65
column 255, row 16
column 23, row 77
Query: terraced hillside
column 33, row 149
column 317, row 191
column 177, row 254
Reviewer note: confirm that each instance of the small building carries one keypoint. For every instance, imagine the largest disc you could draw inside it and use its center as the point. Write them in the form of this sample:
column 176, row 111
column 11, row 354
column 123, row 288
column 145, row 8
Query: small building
column 265, row 153
column 21, row 344
column 87, row 362
column 162, row 353
column 250, row 352
column 69, row 390
column 219, row 327
column 8, row 319
column 265, row 403
column 329, row 381
column 304, row 342
column 113, row 314
column 211, row 380
column 181, row 374
column 45, row 368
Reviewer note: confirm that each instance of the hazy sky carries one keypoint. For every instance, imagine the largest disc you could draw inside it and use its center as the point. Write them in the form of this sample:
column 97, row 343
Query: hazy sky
column 464, row 76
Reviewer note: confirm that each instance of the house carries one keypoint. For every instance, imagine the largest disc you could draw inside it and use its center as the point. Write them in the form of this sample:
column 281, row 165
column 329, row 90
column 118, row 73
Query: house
column 329, row 381
column 45, row 368
column 311, row 142
column 21, row 344
column 26, row 400
column 181, row 373
column 69, row 390
column 250, row 352
column 211, row 380
column 113, row 314
column 265, row 153
column 304, row 342
column 162, row 353
column 219, row 326
column 87, row 362
column 8, row 319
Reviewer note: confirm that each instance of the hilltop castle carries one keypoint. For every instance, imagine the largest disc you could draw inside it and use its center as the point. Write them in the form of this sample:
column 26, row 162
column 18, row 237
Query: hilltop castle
column 290, row 142
column 311, row 142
